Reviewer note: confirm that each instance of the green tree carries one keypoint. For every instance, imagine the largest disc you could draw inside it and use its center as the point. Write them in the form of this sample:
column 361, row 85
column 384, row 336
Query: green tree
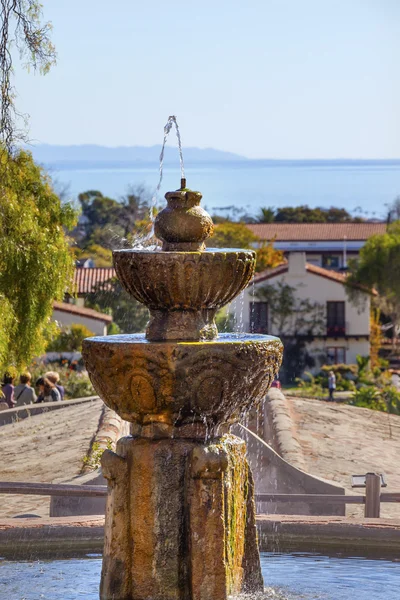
column 20, row 26
column 36, row 265
column 109, row 223
column 232, row 235
column 127, row 313
column 238, row 235
column 266, row 215
column 69, row 340
column 305, row 214
column 99, row 220
column 378, row 267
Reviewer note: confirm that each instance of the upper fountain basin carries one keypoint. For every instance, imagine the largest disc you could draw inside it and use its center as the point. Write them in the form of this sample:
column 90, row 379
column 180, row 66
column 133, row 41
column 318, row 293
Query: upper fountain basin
column 171, row 281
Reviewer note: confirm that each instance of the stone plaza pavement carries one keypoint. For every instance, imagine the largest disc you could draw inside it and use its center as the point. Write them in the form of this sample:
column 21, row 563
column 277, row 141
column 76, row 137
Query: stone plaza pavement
column 46, row 448
column 338, row 441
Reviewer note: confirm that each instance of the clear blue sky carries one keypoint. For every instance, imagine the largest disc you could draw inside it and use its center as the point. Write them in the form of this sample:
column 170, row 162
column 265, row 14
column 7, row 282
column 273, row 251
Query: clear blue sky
column 263, row 78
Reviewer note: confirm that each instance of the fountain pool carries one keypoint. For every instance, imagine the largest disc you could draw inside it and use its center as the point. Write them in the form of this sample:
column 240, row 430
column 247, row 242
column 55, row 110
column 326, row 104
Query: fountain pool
column 296, row 576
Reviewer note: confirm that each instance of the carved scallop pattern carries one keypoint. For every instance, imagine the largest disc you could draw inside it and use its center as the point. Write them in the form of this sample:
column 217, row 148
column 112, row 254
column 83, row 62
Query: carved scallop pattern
column 193, row 280
column 216, row 382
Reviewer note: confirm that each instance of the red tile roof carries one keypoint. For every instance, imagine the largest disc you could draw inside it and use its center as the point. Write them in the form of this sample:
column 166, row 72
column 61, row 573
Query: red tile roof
column 315, row 232
column 314, row 269
column 85, row 279
column 81, row 311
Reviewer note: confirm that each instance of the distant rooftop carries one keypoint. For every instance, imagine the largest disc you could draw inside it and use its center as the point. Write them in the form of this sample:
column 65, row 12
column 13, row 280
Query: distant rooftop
column 310, row 268
column 292, row 232
column 82, row 311
column 85, row 279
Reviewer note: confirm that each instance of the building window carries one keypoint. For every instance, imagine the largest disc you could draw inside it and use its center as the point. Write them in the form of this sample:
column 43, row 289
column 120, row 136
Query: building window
column 335, row 317
column 259, row 317
column 330, row 262
column 336, row 356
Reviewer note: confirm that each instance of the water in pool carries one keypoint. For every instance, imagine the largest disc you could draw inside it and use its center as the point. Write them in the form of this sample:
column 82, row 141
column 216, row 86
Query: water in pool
column 287, row 577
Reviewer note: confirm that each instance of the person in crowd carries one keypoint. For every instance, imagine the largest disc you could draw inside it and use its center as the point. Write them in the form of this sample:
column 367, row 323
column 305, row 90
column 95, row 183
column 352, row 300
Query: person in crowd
column 331, row 385
column 24, row 393
column 54, row 377
column 47, row 391
column 8, row 390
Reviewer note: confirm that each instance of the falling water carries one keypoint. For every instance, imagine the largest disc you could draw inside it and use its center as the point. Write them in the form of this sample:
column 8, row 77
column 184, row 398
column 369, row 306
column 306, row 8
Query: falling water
column 253, row 293
column 240, row 324
column 167, row 128
column 143, row 242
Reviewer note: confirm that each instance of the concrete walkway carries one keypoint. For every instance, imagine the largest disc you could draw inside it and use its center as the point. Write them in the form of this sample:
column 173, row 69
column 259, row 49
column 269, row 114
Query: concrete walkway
column 48, row 448
column 338, row 441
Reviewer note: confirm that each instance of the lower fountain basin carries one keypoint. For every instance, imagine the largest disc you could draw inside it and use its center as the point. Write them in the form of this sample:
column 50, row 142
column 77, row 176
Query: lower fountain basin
column 182, row 387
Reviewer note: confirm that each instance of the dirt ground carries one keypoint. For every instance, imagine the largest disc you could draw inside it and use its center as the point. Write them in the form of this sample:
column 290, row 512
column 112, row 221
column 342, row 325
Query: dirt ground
column 46, row 448
column 339, row 441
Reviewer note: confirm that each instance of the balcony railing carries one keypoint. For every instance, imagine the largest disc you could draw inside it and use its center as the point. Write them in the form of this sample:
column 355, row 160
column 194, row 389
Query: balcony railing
column 336, row 330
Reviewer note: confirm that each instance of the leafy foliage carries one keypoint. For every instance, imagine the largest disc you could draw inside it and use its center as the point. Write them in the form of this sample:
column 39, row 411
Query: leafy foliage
column 368, row 397
column 268, row 257
column 375, row 338
column 69, row 340
column 238, row 235
column 20, row 26
column 225, row 321
column 305, row 214
column 232, row 235
column 379, row 267
column 107, row 223
column 128, row 314
column 36, row 265
column 92, row 460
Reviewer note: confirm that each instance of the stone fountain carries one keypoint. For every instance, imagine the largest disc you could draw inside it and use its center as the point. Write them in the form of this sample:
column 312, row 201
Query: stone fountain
column 180, row 520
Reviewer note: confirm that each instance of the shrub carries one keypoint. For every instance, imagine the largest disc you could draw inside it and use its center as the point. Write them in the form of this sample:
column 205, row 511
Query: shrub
column 347, row 371
column 70, row 340
column 368, row 397
column 309, row 384
column 391, row 396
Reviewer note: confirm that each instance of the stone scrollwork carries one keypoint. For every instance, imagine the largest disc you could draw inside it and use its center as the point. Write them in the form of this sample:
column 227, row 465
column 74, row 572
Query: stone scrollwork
column 179, row 383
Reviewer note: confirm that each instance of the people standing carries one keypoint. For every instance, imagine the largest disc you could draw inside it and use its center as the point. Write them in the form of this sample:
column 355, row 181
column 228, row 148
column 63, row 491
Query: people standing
column 51, row 393
column 331, row 385
column 24, row 393
column 54, row 377
column 47, row 391
column 8, row 390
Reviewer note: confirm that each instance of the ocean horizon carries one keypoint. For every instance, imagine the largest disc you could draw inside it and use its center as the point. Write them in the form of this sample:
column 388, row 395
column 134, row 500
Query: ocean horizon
column 364, row 187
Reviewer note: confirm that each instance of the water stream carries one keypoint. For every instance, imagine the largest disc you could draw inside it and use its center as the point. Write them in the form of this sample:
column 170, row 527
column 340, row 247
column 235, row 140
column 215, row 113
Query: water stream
column 143, row 242
column 167, row 128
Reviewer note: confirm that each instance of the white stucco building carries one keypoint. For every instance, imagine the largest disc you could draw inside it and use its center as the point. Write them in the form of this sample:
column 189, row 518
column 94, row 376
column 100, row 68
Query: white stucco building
column 335, row 331
column 66, row 315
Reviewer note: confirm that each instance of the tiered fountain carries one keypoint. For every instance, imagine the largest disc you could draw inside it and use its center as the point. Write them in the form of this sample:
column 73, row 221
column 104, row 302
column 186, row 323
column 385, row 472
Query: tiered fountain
column 180, row 522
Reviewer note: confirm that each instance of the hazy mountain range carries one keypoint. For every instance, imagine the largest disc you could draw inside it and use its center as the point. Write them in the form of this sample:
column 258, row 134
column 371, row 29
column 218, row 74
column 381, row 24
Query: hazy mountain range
column 93, row 156
column 90, row 153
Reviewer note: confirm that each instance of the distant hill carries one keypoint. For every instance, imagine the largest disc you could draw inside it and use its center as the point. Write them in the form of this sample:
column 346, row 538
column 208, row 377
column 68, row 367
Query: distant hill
column 90, row 154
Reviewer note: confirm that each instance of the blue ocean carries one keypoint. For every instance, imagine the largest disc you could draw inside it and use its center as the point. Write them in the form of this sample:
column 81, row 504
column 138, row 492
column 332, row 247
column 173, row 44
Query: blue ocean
column 364, row 188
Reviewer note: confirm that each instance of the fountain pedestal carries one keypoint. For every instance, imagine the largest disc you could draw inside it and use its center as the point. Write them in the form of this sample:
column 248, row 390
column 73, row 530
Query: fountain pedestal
column 180, row 522
column 172, row 540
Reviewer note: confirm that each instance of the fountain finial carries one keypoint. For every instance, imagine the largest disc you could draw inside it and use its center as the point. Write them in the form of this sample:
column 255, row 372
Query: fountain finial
column 183, row 225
